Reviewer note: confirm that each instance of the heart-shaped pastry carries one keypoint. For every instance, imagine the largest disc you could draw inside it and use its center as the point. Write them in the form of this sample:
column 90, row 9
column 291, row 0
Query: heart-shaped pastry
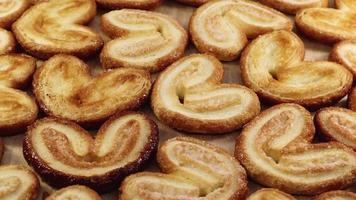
column 345, row 54
column 352, row 99
column 293, row 6
column 7, row 42
column 10, row 10
column 18, row 183
column 142, row 39
column 221, row 28
column 64, row 88
column 270, row 194
column 63, row 153
column 188, row 96
column 338, row 124
column 137, row 4
column 53, row 27
column 193, row 2
column 276, row 150
column 336, row 195
column 18, row 109
column 272, row 65
column 192, row 169
column 75, row 192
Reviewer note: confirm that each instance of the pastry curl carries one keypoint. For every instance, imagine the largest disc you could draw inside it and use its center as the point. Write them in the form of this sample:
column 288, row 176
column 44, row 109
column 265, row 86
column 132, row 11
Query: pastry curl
column 336, row 195
column 352, row 99
column 136, row 4
column 194, row 2
column 10, row 10
column 18, row 183
column 270, row 194
column 75, row 192
column 272, row 65
column 7, row 42
column 64, row 88
column 54, row 27
column 345, row 53
column 142, row 39
column 188, row 96
column 293, row 6
column 275, row 148
column 221, row 28
column 64, row 154
column 192, row 169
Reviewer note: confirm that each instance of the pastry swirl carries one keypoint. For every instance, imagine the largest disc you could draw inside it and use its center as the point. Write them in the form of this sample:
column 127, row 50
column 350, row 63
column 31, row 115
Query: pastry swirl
column 345, row 53
column 221, row 28
column 55, row 27
column 75, row 192
column 281, row 75
column 10, row 10
column 352, row 99
column 64, row 88
column 142, row 39
column 192, row 169
column 275, row 148
column 18, row 183
column 270, row 194
column 188, row 96
column 336, row 195
column 136, row 4
column 7, row 42
column 64, row 154
column 293, row 6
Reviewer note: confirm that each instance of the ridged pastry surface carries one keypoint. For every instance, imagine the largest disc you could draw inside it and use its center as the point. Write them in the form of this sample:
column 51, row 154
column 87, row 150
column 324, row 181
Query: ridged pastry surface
column 272, row 65
column 293, row 6
column 54, row 27
column 193, row 169
column 345, row 54
column 10, row 10
column 276, row 150
column 135, row 4
column 270, row 194
column 221, row 28
column 337, row 195
column 352, row 99
column 74, row 192
column 142, row 39
column 188, row 96
column 7, row 42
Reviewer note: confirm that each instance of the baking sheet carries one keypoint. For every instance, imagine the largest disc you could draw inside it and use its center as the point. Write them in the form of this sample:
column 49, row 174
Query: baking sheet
column 314, row 51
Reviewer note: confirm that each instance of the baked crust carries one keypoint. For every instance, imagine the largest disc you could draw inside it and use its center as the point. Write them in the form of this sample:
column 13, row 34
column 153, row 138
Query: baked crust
column 142, row 39
column 270, row 193
column 188, row 96
column 54, row 27
column 293, row 6
column 193, row 2
column 64, row 154
column 18, row 182
column 339, row 194
column 74, row 192
column 7, row 42
column 64, row 88
column 135, row 4
column 348, row 5
column 10, row 10
column 281, row 76
column 352, row 99
column 275, row 148
column 345, row 53
column 191, row 169
column 221, row 28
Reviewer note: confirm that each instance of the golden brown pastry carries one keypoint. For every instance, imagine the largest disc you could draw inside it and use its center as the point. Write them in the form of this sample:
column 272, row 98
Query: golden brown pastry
column 141, row 39
column 7, row 42
column 348, row 5
column 192, row 169
column 137, row 4
column 194, row 2
column 272, row 65
column 18, row 109
column 275, row 148
column 221, row 28
column 54, row 27
column 10, row 10
column 345, row 54
column 1, row 149
column 337, row 195
column 64, row 88
column 270, row 194
column 18, row 183
column 188, row 96
column 74, row 192
column 63, row 153
column 352, row 99
column 293, row 6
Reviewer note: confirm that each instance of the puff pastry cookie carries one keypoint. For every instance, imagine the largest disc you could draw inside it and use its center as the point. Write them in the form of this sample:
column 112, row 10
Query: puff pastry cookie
column 137, row 4
column 192, row 169
column 293, row 6
column 74, row 192
column 54, row 27
column 270, row 194
column 10, row 10
column 18, row 183
column 352, row 99
column 275, row 148
column 272, row 65
column 64, row 88
column 142, row 39
column 7, row 42
column 194, row 2
column 221, row 28
column 64, row 154
column 337, row 195
column 188, row 96
column 345, row 54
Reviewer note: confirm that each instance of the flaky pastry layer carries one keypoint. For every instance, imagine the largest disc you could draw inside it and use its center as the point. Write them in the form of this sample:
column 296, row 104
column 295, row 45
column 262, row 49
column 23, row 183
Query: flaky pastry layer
column 345, row 53
column 136, row 4
column 10, row 10
column 293, row 6
column 336, row 195
column 75, row 192
column 270, row 194
column 7, row 42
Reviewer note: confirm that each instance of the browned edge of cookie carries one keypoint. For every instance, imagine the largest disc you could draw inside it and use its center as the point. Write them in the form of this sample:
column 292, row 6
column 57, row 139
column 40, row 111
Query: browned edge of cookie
column 336, row 193
column 352, row 99
column 119, row 4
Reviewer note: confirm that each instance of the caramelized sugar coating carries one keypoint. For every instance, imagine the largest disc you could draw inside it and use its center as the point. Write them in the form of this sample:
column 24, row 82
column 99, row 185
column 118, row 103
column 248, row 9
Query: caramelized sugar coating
column 142, row 39
column 194, row 2
column 336, row 195
column 64, row 88
column 270, row 194
column 293, row 6
column 352, row 99
column 136, row 4
column 275, row 148
column 75, row 192
column 272, row 65
column 18, row 183
column 10, row 10
column 64, row 154
column 54, row 27
column 221, row 28
column 7, row 42
column 192, row 169
column 188, row 96
column 345, row 53
column 1, row 148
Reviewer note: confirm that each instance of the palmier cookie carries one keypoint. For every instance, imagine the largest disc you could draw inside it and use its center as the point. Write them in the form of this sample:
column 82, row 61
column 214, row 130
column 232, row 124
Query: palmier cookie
column 7, row 42
column 64, row 154
column 194, row 2
column 64, row 88
column 18, row 109
column 270, row 194
column 328, row 25
column 188, row 96
column 352, row 99
column 293, row 6
column 275, row 148
column 10, row 10
column 221, row 28
column 336, row 195
column 345, row 54
column 79, row 192
column 281, row 75
column 54, row 27
column 192, row 169
column 18, row 183
column 136, row 4
column 142, row 39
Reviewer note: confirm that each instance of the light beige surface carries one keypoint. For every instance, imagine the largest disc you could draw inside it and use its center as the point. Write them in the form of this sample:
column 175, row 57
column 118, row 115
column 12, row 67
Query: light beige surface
column 314, row 51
